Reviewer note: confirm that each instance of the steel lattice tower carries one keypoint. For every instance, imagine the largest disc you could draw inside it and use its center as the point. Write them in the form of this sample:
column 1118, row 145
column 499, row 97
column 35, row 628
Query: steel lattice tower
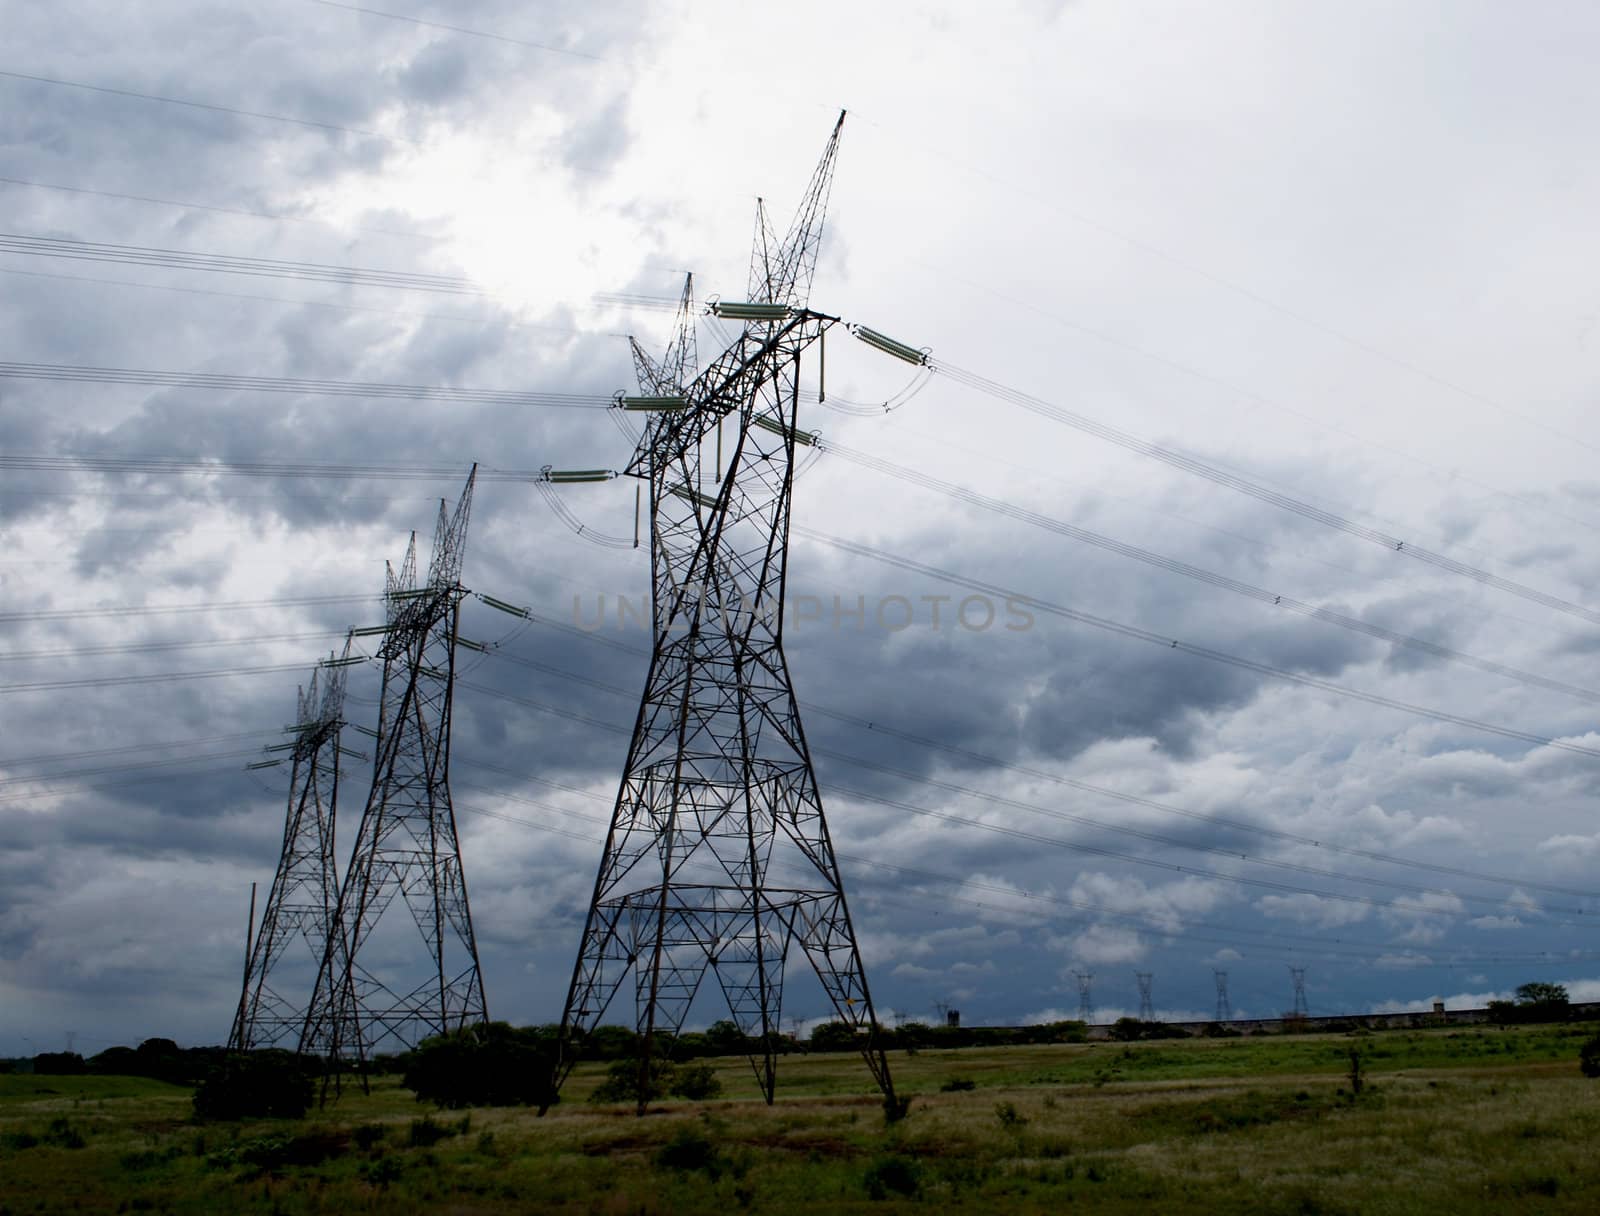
column 1298, row 975
column 718, row 858
column 1085, row 996
column 1224, row 1006
column 305, row 889
column 1147, row 1009
column 407, row 844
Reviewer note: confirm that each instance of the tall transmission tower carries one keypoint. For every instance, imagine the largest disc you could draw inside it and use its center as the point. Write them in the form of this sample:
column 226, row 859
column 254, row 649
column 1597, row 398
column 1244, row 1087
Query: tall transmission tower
column 305, row 889
column 1224, row 1007
column 1147, row 1009
column 1298, row 975
column 718, row 858
column 1085, row 996
column 406, row 845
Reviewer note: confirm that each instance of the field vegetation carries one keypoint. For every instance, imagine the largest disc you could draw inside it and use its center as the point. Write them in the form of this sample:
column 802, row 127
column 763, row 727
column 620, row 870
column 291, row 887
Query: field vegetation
column 1479, row 1119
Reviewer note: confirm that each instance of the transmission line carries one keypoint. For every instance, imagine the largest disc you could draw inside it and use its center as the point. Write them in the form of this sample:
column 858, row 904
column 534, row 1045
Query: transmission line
column 1199, row 574
column 1190, row 464
column 989, row 761
column 73, row 249
column 206, row 105
column 1205, row 652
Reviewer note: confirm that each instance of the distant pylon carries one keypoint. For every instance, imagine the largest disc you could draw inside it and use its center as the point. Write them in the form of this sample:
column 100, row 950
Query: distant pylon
column 718, row 858
column 1224, row 1008
column 1147, row 1009
column 1085, row 996
column 1298, row 975
column 407, row 843
column 305, row 888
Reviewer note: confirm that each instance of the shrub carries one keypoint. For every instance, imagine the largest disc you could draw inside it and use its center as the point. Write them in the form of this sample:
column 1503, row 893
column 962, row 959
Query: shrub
column 1589, row 1057
column 484, row 1065
column 834, row 1036
column 893, row 1175
column 689, row 1150
column 425, row 1133
column 1008, row 1115
column 956, row 1085
column 269, row 1084
column 697, row 1082
column 625, row 1083
column 58, row 1064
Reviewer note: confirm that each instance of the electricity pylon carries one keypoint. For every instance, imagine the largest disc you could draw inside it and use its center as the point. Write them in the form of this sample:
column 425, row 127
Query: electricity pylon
column 1224, row 1006
column 718, row 858
column 407, row 844
column 1085, row 996
column 1298, row 975
column 305, row 889
column 1147, row 1009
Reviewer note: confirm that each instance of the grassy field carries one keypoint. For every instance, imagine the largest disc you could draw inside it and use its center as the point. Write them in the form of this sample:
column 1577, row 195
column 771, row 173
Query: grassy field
column 1469, row 1120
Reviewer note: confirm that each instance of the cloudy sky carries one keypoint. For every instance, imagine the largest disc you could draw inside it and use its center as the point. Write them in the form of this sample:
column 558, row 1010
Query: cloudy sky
column 1335, row 253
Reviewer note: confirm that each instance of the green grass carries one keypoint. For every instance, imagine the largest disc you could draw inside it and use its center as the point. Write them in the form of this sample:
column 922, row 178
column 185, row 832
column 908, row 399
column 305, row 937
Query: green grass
column 1476, row 1120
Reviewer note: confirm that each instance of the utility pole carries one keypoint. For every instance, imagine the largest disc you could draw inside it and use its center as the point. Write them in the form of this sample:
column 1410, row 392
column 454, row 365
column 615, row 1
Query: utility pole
column 718, row 856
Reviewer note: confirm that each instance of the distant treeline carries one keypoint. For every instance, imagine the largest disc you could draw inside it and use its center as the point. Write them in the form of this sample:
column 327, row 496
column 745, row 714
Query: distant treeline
column 164, row 1060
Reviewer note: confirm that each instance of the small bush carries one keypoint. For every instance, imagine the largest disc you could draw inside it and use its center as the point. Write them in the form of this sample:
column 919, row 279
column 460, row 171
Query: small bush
column 368, row 1134
column 697, row 1082
column 625, row 1083
column 268, row 1084
column 689, row 1150
column 1589, row 1057
column 956, row 1085
column 425, row 1133
column 893, row 1175
column 1008, row 1115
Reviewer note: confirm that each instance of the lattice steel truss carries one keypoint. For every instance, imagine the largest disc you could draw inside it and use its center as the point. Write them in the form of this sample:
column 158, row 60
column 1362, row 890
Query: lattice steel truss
column 718, row 857
column 407, row 844
column 305, row 889
column 1298, row 976
column 1147, row 1008
column 1224, row 1005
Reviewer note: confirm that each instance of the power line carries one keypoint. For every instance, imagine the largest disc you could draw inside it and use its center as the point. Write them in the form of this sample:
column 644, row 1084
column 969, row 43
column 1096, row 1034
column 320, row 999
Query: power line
column 410, row 314
column 165, row 677
column 75, row 249
column 1233, row 481
column 1222, row 581
column 211, row 106
column 278, row 216
column 122, row 610
column 76, row 374
column 461, row 29
column 985, row 760
column 1205, row 652
column 74, row 652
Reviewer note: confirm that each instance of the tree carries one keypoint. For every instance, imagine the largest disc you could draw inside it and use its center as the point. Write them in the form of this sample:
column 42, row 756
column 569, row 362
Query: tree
column 492, row 1065
column 833, row 1036
column 1538, row 993
column 272, row 1084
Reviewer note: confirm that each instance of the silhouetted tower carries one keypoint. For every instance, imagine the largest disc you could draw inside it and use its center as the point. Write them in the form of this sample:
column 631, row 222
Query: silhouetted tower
column 718, row 858
column 1298, row 975
column 1085, row 996
column 305, row 889
column 1147, row 1009
column 389, row 995
column 1224, row 1008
